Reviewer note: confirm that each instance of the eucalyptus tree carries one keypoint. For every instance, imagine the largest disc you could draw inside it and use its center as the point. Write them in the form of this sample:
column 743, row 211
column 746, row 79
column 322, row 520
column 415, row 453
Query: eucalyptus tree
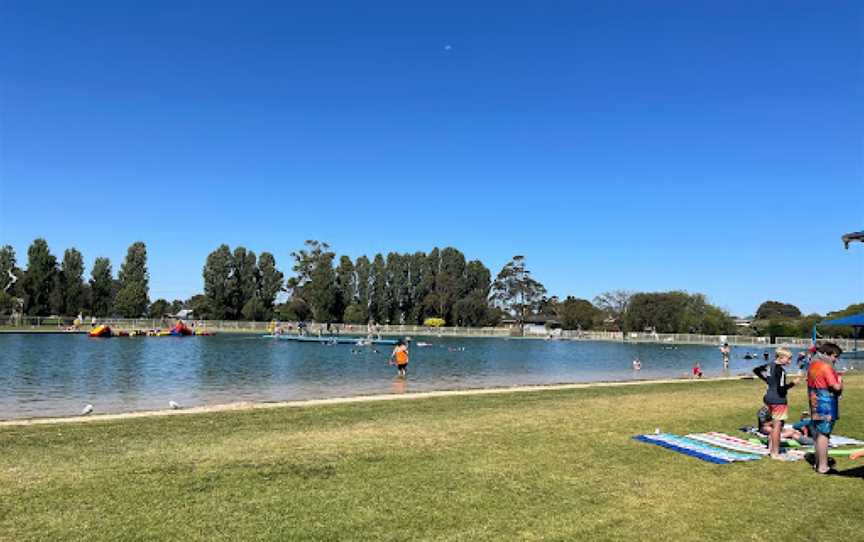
column 517, row 291
column 615, row 304
column 10, row 279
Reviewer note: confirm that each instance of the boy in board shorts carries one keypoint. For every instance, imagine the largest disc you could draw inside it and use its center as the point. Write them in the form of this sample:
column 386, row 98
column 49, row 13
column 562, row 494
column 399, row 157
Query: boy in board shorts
column 774, row 374
column 400, row 358
column 824, row 387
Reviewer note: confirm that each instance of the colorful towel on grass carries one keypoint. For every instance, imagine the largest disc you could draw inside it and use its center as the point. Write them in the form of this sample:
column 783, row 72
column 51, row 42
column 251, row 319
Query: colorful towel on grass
column 835, row 441
column 695, row 448
column 736, row 444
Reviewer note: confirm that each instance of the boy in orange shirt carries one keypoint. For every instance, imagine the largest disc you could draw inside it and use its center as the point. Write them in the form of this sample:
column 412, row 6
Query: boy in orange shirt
column 824, row 387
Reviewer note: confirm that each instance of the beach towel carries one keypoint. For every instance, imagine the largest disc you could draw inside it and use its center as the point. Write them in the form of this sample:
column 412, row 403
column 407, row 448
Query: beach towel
column 834, row 441
column 695, row 448
column 736, row 444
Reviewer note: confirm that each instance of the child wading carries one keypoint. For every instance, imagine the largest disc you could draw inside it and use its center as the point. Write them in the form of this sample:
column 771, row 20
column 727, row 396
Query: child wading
column 774, row 374
column 400, row 357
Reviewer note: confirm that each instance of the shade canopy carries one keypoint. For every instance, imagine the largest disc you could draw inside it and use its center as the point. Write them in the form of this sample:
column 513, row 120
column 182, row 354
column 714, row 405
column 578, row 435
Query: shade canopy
column 854, row 236
column 856, row 320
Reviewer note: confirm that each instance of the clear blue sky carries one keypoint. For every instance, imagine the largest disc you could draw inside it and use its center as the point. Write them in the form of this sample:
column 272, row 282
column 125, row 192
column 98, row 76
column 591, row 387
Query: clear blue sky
column 709, row 146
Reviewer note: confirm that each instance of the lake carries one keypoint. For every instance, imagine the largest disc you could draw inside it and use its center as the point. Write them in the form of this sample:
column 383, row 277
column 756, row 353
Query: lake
column 56, row 375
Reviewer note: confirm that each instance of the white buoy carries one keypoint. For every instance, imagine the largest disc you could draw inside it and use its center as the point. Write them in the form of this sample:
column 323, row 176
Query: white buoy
column 173, row 404
column 88, row 408
column 656, row 430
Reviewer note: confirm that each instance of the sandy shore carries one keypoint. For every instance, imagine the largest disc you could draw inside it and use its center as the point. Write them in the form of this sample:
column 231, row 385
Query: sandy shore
column 233, row 407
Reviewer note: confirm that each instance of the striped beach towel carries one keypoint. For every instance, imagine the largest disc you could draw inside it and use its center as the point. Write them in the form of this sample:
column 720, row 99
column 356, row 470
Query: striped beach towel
column 729, row 442
column 696, row 448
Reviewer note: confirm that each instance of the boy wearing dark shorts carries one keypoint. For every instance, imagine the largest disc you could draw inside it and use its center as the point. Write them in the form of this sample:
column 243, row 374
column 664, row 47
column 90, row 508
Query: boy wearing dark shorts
column 400, row 357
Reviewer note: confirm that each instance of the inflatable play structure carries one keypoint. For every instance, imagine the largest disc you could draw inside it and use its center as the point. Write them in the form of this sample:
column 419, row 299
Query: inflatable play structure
column 181, row 330
column 100, row 331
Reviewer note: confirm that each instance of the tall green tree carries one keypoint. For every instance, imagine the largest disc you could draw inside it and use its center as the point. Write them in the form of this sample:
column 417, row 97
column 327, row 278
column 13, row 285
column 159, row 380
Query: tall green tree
column 577, row 313
column 217, row 283
column 676, row 312
column 314, row 283
column 614, row 304
column 472, row 306
column 363, row 274
column 101, row 288
column 132, row 299
column 777, row 309
column 449, row 281
column 417, row 287
column 243, row 283
column 346, row 286
column 428, row 283
column 379, row 302
column 39, row 279
column 269, row 284
column 176, row 306
column 517, row 291
column 398, row 284
column 159, row 308
column 72, row 281
column 321, row 290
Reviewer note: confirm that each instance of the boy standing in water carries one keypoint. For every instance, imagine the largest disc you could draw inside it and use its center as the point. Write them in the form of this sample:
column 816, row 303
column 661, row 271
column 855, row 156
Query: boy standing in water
column 400, row 357
column 824, row 387
column 774, row 374
column 724, row 351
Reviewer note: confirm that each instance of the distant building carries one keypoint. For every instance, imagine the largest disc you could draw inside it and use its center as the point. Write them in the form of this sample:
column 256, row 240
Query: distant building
column 743, row 322
column 537, row 324
column 185, row 314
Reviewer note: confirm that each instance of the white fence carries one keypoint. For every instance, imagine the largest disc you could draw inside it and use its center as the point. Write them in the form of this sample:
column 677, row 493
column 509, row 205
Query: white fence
column 66, row 323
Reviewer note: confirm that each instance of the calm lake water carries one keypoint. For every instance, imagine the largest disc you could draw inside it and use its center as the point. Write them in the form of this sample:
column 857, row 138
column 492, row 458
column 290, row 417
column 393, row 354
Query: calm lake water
column 56, row 375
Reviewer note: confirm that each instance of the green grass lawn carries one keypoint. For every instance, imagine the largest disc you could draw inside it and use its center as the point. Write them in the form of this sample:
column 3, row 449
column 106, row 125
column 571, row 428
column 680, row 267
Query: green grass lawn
column 544, row 465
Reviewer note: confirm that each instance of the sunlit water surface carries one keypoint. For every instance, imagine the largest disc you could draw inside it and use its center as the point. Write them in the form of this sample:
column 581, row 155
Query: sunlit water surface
column 56, row 375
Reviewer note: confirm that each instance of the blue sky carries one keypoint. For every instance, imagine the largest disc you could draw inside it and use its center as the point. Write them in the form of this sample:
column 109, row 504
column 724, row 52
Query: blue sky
column 714, row 147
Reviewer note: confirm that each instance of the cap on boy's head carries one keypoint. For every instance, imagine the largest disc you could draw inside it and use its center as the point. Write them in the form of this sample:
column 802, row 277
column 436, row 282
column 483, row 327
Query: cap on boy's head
column 812, row 349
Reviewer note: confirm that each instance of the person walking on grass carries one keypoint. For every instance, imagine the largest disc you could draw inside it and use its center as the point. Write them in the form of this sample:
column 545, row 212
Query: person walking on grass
column 824, row 387
column 399, row 357
column 774, row 374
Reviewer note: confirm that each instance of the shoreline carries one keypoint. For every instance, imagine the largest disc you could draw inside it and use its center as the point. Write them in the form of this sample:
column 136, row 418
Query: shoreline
column 243, row 406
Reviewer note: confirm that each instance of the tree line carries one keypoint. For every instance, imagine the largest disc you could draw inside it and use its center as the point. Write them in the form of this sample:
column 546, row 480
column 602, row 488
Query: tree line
column 48, row 287
column 396, row 288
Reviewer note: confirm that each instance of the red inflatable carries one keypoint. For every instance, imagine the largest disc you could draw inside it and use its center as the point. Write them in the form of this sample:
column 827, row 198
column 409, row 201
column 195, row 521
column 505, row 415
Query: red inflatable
column 181, row 329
